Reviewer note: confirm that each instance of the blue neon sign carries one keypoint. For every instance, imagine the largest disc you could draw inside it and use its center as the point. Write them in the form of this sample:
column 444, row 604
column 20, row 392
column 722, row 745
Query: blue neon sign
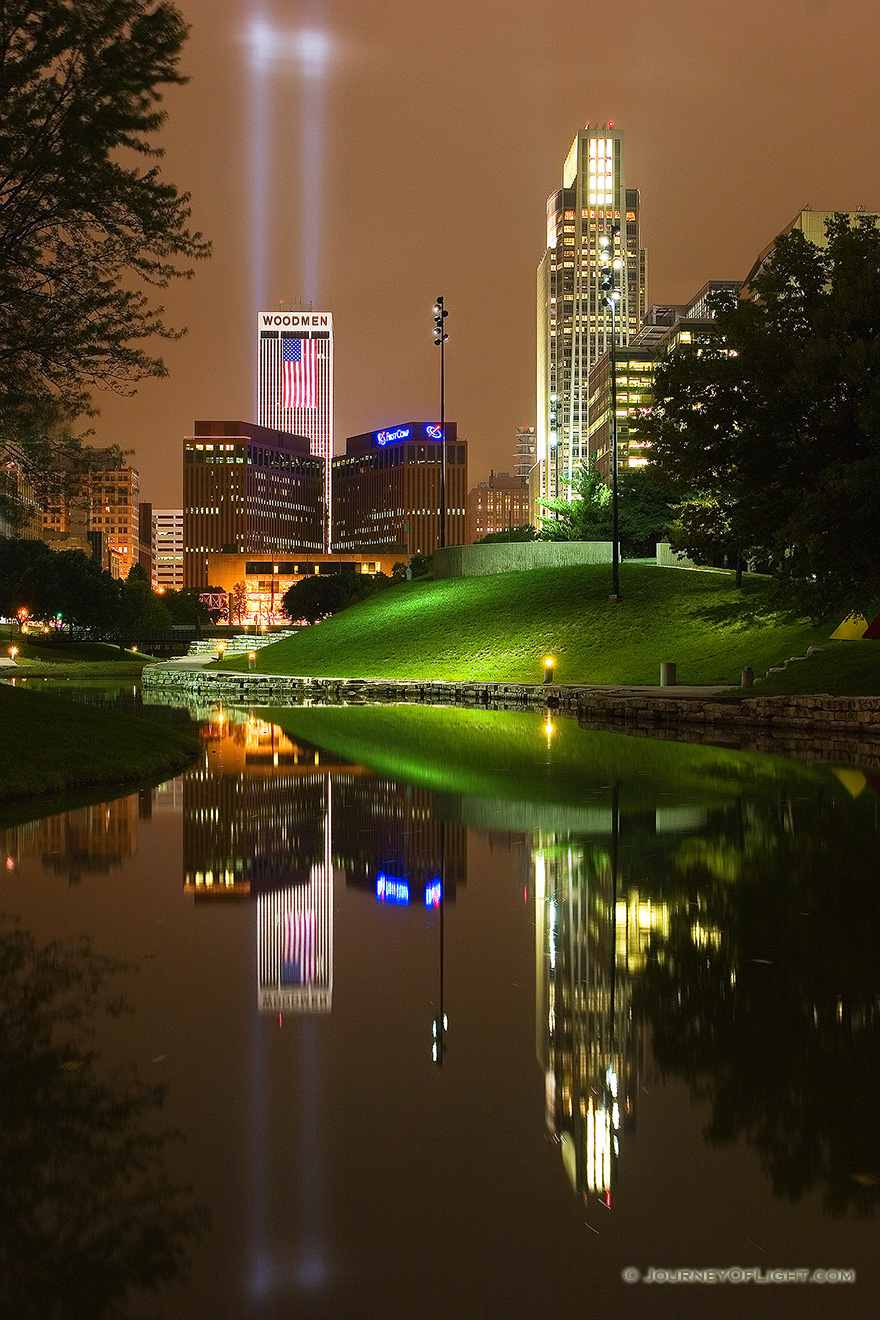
column 433, row 893
column 394, row 434
column 388, row 437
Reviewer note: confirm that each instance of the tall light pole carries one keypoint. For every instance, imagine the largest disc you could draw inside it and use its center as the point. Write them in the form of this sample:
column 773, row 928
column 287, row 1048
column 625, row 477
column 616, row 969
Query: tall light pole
column 440, row 337
column 609, row 285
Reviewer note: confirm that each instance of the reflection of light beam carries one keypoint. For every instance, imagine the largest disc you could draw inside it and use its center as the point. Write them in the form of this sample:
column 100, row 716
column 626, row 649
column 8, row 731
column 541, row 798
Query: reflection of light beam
column 307, row 53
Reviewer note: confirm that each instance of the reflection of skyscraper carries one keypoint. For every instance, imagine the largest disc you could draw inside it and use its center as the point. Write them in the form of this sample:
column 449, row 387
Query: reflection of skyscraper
column 387, row 839
column 295, row 937
column 590, row 941
column 91, row 840
column 252, row 813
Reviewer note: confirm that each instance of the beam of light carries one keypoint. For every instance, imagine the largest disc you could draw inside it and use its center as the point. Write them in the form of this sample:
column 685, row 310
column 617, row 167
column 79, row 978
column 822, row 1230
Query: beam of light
column 307, row 53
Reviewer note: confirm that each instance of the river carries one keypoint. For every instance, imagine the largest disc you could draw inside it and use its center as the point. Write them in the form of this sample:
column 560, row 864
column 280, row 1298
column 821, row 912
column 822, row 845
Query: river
column 403, row 1012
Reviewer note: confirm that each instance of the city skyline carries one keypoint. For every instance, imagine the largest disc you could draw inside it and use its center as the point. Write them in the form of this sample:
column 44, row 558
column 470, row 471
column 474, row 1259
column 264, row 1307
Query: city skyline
column 724, row 152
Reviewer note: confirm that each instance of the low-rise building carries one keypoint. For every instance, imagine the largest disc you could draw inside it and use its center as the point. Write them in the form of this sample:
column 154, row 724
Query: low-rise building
column 496, row 505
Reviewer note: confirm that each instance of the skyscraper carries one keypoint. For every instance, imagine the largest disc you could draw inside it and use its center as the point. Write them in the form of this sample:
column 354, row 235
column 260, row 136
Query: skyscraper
column 574, row 325
column 295, row 355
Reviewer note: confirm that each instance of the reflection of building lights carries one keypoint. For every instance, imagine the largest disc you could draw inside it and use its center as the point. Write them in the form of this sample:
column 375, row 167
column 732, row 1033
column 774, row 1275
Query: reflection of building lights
column 391, row 889
column 433, row 894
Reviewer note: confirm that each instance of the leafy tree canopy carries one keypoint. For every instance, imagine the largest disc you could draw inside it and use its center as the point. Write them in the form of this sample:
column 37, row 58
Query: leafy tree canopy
column 509, row 534
column 643, row 505
column 85, row 229
column 313, row 598
column 770, row 432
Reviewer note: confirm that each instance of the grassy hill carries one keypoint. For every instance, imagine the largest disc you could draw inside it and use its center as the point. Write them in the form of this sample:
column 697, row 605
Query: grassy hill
column 501, row 627
column 51, row 745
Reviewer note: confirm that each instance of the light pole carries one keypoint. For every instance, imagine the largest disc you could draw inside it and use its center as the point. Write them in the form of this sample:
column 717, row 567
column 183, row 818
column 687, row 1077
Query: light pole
column 440, row 337
column 608, row 285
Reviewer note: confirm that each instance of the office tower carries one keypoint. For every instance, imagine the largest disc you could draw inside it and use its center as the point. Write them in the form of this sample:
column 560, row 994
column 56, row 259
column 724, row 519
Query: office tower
column 99, row 507
column 496, row 505
column 248, row 489
column 524, row 455
column 167, row 535
column 386, row 490
column 295, row 354
column 574, row 324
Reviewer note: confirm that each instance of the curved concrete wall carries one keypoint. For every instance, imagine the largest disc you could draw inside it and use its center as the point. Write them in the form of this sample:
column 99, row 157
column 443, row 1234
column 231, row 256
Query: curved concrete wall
column 516, row 557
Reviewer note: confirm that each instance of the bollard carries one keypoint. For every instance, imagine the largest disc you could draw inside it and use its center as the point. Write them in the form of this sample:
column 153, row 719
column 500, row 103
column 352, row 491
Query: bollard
column 548, row 669
column 667, row 673
column 252, row 659
column 748, row 677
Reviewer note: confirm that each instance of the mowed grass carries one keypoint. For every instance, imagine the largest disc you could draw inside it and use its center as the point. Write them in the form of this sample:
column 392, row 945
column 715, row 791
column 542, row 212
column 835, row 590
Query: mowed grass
column 51, row 746
column 845, row 669
column 79, row 659
column 501, row 627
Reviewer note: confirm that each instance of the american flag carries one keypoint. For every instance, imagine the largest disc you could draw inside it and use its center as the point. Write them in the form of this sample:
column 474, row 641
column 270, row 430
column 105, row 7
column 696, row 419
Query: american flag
column 299, row 958
column 299, row 373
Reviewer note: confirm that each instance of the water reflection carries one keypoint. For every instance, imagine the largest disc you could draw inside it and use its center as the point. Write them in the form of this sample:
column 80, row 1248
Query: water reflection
column 88, row 1212
column 601, row 918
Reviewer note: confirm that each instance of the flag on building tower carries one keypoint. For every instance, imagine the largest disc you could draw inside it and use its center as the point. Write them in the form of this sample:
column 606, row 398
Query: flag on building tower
column 299, row 373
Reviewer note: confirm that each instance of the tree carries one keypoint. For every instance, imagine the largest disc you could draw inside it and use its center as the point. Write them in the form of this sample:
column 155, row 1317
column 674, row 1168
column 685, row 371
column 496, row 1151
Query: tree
column 644, row 511
column 85, row 231
column 237, row 602
column 770, row 433
column 313, row 598
column 509, row 534
column 47, row 583
column 140, row 609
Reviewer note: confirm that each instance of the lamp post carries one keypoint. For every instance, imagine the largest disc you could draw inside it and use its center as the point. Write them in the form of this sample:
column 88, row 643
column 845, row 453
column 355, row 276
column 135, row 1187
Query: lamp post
column 608, row 285
column 440, row 337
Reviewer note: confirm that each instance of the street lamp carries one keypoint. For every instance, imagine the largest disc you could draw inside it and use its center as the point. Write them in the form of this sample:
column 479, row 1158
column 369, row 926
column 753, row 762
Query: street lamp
column 607, row 283
column 440, row 338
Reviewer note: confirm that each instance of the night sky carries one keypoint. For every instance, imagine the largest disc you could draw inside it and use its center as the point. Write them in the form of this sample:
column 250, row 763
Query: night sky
column 369, row 156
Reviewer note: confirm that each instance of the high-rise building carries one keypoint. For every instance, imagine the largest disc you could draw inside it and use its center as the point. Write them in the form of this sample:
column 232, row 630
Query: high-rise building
column 295, row 355
column 167, row 539
column 386, row 490
column 574, row 323
column 100, row 506
column 248, row 489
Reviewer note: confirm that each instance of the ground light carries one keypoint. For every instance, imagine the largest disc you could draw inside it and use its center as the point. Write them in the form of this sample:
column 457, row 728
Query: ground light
column 548, row 669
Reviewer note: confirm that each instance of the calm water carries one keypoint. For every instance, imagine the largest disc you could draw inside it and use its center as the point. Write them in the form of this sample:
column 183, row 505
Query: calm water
column 649, row 973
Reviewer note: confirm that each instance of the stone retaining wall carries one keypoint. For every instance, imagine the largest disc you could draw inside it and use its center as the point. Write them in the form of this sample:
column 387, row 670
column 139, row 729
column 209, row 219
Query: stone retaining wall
column 819, row 727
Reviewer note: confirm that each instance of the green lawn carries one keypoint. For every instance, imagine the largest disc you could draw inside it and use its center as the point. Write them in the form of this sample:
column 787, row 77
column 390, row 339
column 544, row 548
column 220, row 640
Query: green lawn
column 501, row 627
column 51, row 745
column 80, row 659
column 845, row 669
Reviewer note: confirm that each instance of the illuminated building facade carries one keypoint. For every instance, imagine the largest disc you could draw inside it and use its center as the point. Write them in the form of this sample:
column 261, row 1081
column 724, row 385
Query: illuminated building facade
column 634, row 376
column 98, row 510
column 255, row 587
column 248, row 490
column 386, row 490
column 574, row 324
column 168, row 543
column 295, row 393
column 496, row 505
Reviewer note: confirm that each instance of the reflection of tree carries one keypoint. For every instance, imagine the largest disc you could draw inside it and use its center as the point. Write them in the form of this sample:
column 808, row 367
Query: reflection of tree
column 766, row 994
column 87, row 1212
